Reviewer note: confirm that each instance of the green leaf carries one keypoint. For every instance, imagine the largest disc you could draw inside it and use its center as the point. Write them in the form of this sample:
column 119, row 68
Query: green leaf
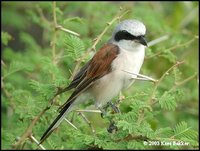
column 6, row 138
column 52, row 144
column 16, row 66
column 5, row 37
column 46, row 90
column 169, row 56
column 182, row 130
column 124, row 125
column 115, row 146
column 177, row 74
column 169, row 98
column 167, row 101
column 29, row 41
column 135, row 145
column 18, row 21
column 74, row 46
column 164, row 132
column 58, row 11
column 74, row 19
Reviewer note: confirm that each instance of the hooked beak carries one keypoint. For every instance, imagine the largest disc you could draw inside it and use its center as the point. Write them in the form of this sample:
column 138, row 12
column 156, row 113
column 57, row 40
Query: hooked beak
column 142, row 40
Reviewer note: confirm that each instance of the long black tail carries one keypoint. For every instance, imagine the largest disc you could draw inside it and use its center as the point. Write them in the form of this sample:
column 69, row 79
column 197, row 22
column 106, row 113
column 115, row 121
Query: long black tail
column 57, row 121
column 64, row 108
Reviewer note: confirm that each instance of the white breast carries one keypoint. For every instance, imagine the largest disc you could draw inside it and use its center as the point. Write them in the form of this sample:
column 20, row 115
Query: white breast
column 130, row 61
column 109, row 86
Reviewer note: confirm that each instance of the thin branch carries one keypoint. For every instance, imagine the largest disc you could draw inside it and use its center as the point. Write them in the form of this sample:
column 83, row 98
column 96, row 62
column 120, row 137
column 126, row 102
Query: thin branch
column 70, row 123
column 189, row 17
column 43, row 18
column 158, row 40
column 54, row 13
column 177, row 84
column 172, row 137
column 144, row 138
column 53, row 42
column 140, row 117
column 28, row 131
column 90, row 111
column 67, row 30
column 7, row 94
column 152, row 97
column 2, row 62
column 162, row 77
column 10, row 73
column 173, row 48
column 36, row 141
column 118, row 16
column 132, row 137
column 10, row 98
column 88, row 122
column 141, row 77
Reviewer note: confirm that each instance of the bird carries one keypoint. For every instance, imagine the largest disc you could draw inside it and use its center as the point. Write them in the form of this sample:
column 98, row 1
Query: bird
column 103, row 77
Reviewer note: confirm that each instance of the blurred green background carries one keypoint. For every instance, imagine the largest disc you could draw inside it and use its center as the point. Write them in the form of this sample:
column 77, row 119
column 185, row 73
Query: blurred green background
column 29, row 77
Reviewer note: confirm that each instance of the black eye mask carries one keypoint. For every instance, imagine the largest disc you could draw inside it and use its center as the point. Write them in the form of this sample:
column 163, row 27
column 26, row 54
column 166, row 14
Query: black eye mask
column 124, row 35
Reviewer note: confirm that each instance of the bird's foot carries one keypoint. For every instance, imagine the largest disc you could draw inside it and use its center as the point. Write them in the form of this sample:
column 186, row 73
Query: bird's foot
column 112, row 127
column 114, row 107
column 103, row 112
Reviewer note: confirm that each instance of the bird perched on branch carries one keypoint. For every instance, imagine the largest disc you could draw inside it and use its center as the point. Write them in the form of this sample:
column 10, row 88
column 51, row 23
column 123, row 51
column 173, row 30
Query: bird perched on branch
column 103, row 77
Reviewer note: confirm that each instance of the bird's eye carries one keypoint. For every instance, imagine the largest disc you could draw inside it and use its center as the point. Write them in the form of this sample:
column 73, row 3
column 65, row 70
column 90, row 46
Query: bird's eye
column 142, row 36
column 124, row 35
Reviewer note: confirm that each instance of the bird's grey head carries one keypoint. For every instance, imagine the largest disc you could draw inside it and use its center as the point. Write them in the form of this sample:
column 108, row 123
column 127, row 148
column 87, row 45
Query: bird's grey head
column 130, row 30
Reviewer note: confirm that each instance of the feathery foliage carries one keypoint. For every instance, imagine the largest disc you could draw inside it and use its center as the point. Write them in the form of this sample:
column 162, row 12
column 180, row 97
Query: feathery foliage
column 40, row 52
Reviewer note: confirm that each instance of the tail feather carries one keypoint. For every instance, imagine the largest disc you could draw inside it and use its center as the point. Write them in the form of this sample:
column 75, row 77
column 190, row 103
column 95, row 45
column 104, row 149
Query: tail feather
column 55, row 123
column 64, row 109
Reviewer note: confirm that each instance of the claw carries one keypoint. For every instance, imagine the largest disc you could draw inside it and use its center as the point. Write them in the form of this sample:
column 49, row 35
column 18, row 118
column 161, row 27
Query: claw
column 114, row 107
column 112, row 128
column 103, row 112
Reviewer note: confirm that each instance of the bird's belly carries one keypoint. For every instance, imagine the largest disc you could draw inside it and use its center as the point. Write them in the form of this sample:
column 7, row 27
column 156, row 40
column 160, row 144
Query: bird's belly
column 109, row 86
column 106, row 88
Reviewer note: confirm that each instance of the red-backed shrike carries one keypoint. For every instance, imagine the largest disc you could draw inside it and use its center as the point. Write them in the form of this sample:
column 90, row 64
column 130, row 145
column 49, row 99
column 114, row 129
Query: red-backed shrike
column 103, row 77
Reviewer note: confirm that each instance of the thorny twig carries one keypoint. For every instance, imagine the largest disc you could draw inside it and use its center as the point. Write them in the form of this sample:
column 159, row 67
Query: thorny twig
column 158, row 40
column 130, row 137
column 28, row 131
column 176, row 85
column 53, row 43
column 70, row 123
column 162, row 77
column 67, row 30
column 152, row 99
column 88, row 122
column 173, row 48
column 90, row 111
column 43, row 18
column 36, row 141
column 138, row 76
